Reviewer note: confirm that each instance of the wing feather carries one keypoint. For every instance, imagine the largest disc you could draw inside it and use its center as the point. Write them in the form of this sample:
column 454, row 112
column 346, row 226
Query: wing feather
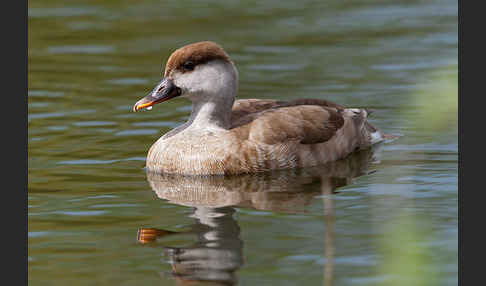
column 308, row 121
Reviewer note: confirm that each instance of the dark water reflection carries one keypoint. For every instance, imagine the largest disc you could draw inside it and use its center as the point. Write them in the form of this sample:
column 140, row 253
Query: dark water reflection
column 218, row 252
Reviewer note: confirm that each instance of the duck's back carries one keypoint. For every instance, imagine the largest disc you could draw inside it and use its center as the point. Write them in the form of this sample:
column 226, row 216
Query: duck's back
column 267, row 135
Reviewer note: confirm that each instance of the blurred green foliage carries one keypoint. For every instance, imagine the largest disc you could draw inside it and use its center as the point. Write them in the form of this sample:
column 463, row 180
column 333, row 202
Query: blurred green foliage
column 407, row 261
column 437, row 101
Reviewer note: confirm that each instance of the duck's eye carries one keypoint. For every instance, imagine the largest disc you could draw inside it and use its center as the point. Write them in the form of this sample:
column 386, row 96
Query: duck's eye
column 188, row 66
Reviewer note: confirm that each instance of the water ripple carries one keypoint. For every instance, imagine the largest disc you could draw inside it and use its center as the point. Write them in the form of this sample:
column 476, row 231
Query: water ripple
column 81, row 213
column 137, row 132
column 37, row 233
column 45, row 115
column 156, row 124
column 44, row 93
column 98, row 162
column 63, row 11
column 86, row 49
column 127, row 81
column 94, row 123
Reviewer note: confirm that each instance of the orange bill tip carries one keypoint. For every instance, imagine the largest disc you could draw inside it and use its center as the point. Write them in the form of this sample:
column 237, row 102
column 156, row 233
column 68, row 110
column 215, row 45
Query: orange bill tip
column 144, row 105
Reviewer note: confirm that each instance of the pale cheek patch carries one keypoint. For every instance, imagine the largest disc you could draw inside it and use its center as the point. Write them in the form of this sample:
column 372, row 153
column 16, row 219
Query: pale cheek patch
column 187, row 82
column 206, row 79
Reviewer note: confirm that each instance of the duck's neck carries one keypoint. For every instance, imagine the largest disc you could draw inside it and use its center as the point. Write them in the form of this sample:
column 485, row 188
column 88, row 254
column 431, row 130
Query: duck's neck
column 211, row 114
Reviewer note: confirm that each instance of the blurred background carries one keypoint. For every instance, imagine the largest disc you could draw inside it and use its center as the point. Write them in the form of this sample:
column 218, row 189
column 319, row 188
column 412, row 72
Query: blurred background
column 392, row 222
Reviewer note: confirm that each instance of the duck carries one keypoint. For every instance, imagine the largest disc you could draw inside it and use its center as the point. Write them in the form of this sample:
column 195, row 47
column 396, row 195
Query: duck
column 225, row 136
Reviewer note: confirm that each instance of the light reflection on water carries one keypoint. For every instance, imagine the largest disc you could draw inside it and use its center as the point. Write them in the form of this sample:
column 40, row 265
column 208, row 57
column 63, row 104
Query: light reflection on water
column 88, row 191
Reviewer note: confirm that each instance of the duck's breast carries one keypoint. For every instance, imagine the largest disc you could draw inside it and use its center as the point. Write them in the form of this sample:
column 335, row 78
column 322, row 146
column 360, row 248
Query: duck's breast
column 192, row 155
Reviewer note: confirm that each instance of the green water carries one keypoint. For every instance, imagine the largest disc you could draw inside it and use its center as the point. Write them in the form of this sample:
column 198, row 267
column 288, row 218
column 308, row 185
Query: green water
column 385, row 218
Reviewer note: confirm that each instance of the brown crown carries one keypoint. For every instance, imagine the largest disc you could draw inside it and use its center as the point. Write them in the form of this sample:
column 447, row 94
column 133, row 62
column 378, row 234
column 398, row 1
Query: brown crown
column 198, row 53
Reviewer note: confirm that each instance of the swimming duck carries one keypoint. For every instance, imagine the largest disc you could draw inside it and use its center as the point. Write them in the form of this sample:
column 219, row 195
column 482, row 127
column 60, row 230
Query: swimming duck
column 226, row 137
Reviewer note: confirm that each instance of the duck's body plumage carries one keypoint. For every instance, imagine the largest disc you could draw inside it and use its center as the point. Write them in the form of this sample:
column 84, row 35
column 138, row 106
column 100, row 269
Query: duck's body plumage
column 224, row 136
column 265, row 135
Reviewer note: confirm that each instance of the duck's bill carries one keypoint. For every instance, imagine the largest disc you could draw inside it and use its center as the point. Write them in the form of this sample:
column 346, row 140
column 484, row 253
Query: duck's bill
column 164, row 91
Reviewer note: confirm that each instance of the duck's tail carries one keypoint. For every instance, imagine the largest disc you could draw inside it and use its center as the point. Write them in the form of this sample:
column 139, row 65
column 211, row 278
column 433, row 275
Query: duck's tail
column 376, row 135
column 370, row 132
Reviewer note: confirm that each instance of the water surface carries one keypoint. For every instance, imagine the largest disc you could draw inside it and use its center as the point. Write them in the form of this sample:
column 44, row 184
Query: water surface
column 96, row 218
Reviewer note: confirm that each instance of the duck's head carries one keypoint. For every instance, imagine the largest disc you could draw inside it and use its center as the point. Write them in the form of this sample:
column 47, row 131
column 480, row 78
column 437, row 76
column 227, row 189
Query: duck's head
column 200, row 71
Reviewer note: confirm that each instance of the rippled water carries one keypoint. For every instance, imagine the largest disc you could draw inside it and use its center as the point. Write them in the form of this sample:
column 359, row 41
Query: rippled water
column 96, row 218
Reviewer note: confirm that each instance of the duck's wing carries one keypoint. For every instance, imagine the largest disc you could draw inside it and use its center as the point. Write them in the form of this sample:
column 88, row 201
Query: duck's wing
column 307, row 121
column 244, row 107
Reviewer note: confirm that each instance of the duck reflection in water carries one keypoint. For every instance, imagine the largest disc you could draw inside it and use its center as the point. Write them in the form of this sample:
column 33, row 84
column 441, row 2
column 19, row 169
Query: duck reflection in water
column 218, row 252
column 216, row 255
